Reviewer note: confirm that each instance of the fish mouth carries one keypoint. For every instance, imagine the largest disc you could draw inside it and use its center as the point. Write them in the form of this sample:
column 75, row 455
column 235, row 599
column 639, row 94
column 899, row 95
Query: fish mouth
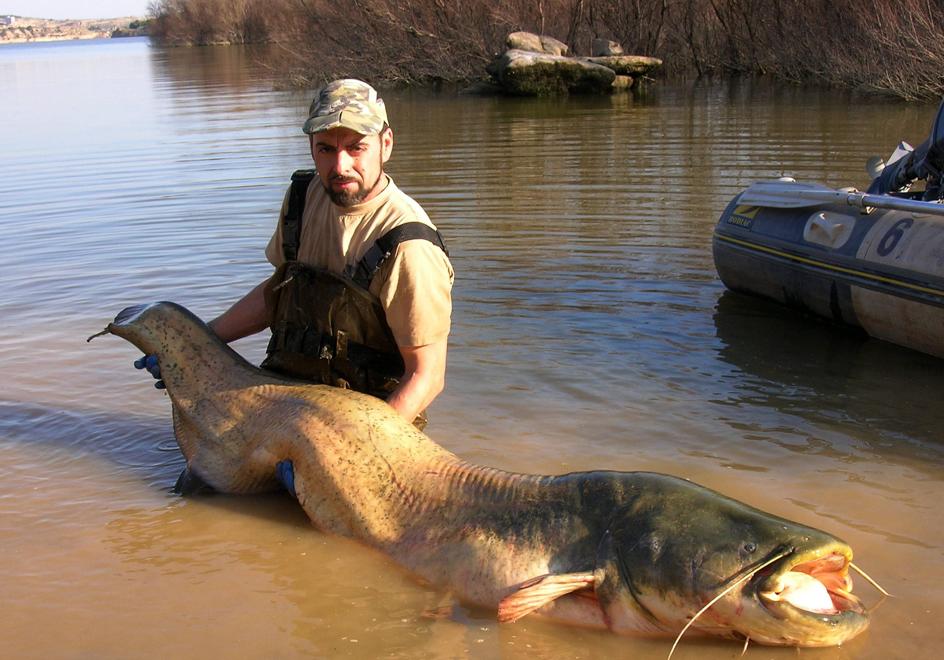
column 121, row 323
column 129, row 323
column 124, row 324
column 813, row 586
column 129, row 315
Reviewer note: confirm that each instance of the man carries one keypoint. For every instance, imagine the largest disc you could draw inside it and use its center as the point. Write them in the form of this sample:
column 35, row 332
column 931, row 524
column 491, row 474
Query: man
column 361, row 296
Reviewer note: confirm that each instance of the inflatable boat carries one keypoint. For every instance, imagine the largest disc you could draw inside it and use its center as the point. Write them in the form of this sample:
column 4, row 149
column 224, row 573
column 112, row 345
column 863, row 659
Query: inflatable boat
column 873, row 260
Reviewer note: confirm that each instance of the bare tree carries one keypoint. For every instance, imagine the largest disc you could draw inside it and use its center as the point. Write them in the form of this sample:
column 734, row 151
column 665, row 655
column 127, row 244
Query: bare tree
column 894, row 48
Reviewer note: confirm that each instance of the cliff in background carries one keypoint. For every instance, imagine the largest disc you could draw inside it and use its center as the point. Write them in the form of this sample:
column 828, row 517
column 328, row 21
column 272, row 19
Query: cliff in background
column 26, row 29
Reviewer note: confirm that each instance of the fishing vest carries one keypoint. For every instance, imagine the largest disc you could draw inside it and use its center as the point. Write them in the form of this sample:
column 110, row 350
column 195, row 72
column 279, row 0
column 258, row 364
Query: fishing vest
column 328, row 327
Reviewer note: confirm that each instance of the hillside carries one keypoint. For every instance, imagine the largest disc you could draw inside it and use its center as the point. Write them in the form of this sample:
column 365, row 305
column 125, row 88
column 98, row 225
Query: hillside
column 44, row 29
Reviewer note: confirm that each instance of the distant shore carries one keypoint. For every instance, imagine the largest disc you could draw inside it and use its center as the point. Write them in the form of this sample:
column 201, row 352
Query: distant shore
column 25, row 29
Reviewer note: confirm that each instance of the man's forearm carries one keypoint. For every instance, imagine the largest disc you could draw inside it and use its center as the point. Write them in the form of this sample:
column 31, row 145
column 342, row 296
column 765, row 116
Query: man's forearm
column 423, row 379
column 246, row 317
column 413, row 396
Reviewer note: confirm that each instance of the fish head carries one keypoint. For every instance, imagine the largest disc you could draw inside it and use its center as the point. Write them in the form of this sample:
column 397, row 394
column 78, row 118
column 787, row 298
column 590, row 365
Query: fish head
column 676, row 547
column 148, row 326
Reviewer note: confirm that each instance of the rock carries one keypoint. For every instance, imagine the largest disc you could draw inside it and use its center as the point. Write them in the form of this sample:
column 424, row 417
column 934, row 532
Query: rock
column 482, row 88
column 603, row 47
column 535, row 43
column 627, row 65
column 623, row 83
column 537, row 65
column 539, row 74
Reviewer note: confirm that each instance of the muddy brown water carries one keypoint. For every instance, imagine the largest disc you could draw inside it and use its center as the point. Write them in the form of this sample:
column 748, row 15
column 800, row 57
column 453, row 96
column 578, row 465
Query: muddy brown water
column 590, row 331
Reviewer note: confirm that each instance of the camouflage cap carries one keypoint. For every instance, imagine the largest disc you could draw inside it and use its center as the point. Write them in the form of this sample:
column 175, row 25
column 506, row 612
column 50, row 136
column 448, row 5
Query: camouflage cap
column 349, row 103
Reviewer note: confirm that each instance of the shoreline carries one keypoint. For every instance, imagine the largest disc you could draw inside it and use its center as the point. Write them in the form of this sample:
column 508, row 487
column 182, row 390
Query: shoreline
column 84, row 37
column 28, row 29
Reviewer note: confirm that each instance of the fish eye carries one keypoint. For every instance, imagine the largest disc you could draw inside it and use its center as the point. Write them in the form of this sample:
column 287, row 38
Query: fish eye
column 748, row 547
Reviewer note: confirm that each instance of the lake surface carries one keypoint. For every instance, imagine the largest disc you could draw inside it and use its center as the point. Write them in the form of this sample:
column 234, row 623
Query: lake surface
column 590, row 330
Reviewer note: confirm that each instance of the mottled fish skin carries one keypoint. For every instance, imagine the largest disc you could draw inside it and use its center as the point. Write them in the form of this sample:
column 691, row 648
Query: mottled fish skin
column 635, row 552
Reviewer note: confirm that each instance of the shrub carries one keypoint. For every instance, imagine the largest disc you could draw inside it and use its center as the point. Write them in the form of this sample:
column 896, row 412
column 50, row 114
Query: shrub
column 894, row 48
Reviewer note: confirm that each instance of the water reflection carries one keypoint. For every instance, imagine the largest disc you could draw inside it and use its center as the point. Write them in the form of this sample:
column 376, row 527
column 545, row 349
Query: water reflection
column 127, row 445
column 227, row 68
column 832, row 378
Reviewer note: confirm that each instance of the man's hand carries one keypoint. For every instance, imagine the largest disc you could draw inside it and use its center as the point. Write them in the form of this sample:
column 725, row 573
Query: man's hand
column 149, row 362
column 285, row 475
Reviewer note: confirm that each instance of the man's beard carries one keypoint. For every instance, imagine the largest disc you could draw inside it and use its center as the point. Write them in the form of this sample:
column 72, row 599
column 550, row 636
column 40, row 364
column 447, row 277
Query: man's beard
column 345, row 198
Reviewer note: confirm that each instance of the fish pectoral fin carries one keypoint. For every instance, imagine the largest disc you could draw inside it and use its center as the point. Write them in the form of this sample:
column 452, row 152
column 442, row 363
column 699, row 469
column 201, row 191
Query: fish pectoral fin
column 537, row 592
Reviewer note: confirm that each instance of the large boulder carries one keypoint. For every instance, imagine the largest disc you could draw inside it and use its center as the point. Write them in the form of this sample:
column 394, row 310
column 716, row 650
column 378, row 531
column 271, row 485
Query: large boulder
column 603, row 47
column 538, row 74
column 535, row 43
column 623, row 83
column 627, row 65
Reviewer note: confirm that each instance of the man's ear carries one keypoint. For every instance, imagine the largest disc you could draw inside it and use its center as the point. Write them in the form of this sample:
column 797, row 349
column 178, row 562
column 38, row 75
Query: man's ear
column 386, row 144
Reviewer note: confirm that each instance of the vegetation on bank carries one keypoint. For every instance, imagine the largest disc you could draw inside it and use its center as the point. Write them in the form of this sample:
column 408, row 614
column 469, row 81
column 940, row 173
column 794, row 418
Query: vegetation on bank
column 875, row 45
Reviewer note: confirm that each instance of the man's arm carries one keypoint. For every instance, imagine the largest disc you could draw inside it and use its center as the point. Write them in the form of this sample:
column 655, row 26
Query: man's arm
column 246, row 317
column 423, row 379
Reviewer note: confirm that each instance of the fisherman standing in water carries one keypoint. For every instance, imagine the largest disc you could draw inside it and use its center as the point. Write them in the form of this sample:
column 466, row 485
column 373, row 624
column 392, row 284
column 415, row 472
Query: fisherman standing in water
column 361, row 295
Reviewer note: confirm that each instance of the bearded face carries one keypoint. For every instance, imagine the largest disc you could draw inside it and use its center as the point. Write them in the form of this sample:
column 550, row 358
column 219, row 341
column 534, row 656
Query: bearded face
column 350, row 165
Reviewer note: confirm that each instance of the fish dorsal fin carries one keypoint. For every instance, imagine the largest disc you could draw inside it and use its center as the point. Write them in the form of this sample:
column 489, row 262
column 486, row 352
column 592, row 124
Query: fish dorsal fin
column 533, row 594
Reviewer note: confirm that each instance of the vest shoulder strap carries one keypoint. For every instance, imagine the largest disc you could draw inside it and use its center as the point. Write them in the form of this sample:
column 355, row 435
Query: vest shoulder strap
column 292, row 220
column 363, row 273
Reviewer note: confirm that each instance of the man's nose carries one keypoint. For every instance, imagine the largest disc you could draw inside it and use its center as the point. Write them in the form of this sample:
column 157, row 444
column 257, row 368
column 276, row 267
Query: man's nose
column 343, row 161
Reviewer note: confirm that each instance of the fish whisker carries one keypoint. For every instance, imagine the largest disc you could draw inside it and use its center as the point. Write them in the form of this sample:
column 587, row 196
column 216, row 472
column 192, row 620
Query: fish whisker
column 98, row 334
column 870, row 580
column 731, row 587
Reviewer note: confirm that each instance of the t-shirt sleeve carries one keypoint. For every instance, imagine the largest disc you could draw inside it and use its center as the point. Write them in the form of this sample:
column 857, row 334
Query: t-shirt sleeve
column 273, row 251
column 416, row 293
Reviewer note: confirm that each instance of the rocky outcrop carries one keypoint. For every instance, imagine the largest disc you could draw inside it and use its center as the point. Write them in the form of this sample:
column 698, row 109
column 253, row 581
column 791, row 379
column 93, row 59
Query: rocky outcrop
column 536, row 43
column 628, row 65
column 539, row 74
column 538, row 65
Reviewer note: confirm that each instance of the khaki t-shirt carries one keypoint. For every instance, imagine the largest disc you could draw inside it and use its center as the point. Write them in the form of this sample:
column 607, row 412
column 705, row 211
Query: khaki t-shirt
column 414, row 285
